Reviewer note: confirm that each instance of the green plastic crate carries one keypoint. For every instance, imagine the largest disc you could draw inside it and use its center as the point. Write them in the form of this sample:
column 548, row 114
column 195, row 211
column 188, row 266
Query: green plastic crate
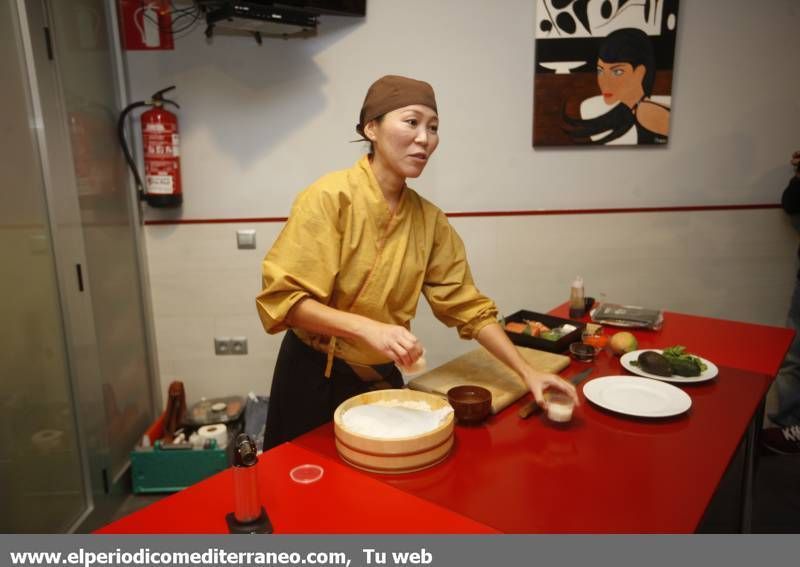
column 155, row 469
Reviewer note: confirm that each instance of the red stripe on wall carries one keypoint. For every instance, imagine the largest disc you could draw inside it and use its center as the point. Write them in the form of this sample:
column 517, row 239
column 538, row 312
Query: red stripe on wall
column 611, row 211
column 499, row 213
column 215, row 221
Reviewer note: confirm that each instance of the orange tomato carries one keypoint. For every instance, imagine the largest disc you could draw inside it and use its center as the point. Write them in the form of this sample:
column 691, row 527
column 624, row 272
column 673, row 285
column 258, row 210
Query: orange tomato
column 597, row 341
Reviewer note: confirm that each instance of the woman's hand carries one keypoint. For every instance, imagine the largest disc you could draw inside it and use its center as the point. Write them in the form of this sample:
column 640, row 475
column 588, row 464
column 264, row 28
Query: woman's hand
column 538, row 382
column 495, row 340
column 394, row 341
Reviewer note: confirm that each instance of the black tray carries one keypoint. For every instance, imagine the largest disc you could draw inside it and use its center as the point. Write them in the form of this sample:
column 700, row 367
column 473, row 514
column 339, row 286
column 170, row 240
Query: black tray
column 543, row 344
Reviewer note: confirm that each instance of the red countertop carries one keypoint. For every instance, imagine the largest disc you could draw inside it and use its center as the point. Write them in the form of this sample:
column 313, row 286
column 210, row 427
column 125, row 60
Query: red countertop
column 757, row 348
column 601, row 473
column 342, row 501
column 604, row 472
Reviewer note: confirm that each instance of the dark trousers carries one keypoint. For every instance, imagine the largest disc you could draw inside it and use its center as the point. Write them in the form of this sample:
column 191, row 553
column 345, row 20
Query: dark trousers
column 302, row 399
column 787, row 382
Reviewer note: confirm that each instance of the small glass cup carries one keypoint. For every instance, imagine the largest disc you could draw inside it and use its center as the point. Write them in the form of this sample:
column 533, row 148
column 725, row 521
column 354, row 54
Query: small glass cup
column 419, row 366
column 559, row 406
column 596, row 340
column 582, row 352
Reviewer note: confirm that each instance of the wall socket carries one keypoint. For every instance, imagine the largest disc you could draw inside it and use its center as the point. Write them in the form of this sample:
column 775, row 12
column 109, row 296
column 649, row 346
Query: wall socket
column 230, row 345
column 246, row 239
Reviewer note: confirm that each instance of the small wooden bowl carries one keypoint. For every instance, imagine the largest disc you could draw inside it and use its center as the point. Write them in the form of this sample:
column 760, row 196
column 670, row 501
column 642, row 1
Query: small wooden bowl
column 471, row 404
column 393, row 456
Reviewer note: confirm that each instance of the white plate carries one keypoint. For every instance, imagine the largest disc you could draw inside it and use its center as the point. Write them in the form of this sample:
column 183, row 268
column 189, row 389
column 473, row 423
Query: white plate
column 636, row 396
column 710, row 372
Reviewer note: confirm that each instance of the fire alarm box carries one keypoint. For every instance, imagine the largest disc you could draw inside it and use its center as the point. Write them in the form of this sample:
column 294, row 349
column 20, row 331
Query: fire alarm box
column 146, row 25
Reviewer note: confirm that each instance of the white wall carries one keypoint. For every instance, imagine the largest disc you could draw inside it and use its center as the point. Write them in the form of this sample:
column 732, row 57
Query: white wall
column 731, row 265
column 260, row 123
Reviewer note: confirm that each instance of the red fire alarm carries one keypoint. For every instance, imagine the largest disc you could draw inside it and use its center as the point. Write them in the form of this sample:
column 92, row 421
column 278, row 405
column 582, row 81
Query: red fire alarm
column 145, row 25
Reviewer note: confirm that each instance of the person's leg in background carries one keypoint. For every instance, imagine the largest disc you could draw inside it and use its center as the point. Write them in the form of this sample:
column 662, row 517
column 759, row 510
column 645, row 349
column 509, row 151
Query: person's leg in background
column 785, row 437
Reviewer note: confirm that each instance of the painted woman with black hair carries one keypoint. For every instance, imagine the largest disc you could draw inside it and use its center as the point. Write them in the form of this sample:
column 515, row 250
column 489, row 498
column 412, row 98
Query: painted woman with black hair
column 625, row 76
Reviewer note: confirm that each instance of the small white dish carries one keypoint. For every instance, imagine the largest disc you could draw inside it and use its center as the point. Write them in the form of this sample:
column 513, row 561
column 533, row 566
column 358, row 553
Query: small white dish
column 709, row 373
column 639, row 397
column 306, row 474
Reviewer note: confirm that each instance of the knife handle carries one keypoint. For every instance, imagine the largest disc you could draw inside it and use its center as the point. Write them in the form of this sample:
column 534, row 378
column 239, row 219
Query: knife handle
column 528, row 409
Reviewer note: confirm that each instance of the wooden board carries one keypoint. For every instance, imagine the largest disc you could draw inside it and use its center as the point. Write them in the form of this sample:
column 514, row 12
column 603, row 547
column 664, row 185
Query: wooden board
column 482, row 369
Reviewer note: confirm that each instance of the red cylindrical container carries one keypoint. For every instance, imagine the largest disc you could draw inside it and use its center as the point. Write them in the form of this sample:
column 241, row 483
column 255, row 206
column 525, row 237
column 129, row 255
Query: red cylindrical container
column 162, row 169
column 246, row 501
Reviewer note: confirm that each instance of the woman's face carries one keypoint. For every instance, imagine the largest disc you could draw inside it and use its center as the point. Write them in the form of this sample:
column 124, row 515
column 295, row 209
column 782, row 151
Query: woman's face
column 405, row 139
column 620, row 82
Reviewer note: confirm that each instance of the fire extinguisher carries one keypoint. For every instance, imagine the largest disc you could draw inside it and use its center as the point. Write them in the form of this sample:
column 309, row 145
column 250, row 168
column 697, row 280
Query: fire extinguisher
column 161, row 148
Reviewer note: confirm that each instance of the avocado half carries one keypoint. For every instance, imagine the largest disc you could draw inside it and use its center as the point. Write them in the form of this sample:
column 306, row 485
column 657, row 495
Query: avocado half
column 654, row 363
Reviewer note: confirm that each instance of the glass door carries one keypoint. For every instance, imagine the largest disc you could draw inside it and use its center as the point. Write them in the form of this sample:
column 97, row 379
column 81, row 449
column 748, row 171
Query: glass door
column 82, row 40
column 38, row 431
column 76, row 387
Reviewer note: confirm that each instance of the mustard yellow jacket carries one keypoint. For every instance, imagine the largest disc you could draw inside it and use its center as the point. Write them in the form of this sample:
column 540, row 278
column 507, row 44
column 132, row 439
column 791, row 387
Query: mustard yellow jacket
column 343, row 247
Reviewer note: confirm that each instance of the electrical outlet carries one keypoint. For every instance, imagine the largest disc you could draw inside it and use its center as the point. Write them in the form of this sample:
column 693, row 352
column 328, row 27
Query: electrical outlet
column 246, row 239
column 238, row 345
column 222, row 345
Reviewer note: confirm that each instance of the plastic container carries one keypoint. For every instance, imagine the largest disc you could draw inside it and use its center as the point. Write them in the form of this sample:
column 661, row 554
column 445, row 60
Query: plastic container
column 537, row 342
column 161, row 468
column 306, row 474
column 158, row 467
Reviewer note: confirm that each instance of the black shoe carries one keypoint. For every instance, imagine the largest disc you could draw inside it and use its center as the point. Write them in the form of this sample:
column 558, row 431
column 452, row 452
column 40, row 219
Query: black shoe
column 784, row 441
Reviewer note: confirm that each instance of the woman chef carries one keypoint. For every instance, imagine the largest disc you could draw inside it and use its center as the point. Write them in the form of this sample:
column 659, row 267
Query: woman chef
column 345, row 274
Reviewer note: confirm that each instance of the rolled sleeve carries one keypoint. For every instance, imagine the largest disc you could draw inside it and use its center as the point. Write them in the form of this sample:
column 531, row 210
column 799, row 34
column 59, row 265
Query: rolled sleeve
column 304, row 260
column 449, row 287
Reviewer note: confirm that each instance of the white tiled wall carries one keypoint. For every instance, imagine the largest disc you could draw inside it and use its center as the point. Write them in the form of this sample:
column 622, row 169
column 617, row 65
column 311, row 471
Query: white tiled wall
column 728, row 264
column 203, row 286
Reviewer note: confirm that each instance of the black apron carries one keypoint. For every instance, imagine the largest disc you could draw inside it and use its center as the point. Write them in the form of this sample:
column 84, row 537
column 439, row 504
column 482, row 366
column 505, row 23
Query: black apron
column 302, row 399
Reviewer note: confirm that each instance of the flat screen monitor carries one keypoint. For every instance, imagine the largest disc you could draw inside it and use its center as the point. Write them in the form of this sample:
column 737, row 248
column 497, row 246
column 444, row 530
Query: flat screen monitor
column 334, row 7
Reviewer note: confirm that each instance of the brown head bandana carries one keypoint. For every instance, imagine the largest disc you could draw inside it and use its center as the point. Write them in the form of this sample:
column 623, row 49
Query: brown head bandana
column 390, row 93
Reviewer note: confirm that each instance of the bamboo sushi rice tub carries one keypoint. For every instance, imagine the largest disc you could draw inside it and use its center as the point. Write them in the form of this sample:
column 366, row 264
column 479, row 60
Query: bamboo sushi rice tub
column 394, row 455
